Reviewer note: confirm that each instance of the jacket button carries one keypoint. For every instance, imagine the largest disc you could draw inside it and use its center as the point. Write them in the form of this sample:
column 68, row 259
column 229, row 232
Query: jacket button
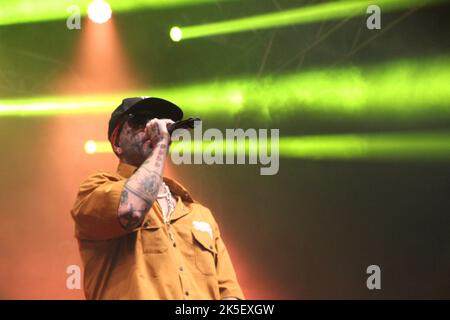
column 186, row 293
column 180, row 268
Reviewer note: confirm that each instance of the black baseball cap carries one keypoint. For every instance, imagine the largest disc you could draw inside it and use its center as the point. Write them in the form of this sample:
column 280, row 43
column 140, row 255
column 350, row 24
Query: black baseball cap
column 161, row 108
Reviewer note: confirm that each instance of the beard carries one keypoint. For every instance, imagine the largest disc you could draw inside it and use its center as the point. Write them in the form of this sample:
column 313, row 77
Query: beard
column 137, row 151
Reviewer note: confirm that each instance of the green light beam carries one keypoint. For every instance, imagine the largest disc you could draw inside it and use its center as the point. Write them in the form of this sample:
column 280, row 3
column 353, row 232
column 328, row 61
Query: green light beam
column 30, row 11
column 418, row 146
column 411, row 90
column 308, row 14
column 383, row 146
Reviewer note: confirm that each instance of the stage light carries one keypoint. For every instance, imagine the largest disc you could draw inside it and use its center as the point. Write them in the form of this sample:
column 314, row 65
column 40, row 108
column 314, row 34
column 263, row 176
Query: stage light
column 176, row 34
column 415, row 146
column 99, row 11
column 100, row 61
column 90, row 147
column 29, row 11
column 414, row 90
column 307, row 14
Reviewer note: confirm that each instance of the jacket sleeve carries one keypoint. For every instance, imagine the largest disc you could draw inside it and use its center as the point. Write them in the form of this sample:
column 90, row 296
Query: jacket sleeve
column 96, row 206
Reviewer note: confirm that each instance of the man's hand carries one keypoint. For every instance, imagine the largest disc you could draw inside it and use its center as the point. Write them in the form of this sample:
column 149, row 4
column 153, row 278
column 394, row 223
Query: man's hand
column 156, row 131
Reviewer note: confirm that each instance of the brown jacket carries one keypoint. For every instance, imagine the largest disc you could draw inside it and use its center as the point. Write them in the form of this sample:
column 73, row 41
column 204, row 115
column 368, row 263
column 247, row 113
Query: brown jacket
column 185, row 259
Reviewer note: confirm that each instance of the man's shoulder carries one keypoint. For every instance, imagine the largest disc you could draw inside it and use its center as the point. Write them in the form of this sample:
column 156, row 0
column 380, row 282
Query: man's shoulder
column 199, row 207
column 200, row 211
column 98, row 178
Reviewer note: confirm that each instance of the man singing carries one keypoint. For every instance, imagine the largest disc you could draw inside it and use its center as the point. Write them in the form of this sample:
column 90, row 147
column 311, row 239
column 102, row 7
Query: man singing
column 141, row 236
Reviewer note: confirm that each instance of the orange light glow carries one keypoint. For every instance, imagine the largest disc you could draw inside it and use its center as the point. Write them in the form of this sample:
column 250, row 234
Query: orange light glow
column 100, row 64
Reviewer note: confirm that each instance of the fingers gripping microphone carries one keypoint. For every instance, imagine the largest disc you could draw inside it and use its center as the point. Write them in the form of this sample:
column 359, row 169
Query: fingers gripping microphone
column 183, row 124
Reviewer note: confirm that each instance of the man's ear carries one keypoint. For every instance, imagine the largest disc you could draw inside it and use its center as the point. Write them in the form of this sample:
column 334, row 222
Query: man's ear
column 117, row 150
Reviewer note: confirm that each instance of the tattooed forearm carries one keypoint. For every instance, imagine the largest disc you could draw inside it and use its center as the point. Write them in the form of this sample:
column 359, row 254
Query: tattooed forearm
column 144, row 184
column 141, row 189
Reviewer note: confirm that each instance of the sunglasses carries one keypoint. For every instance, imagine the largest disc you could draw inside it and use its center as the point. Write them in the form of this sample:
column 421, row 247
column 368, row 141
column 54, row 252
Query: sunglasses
column 135, row 120
column 138, row 120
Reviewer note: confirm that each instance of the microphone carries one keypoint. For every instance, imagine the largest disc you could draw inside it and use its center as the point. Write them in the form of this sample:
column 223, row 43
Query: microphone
column 184, row 124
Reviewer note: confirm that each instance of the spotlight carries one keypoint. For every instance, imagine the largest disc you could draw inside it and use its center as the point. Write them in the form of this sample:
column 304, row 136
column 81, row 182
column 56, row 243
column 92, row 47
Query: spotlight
column 90, row 147
column 99, row 11
column 176, row 34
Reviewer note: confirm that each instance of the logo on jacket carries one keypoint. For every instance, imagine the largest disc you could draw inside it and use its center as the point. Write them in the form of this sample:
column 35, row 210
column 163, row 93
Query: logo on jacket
column 203, row 226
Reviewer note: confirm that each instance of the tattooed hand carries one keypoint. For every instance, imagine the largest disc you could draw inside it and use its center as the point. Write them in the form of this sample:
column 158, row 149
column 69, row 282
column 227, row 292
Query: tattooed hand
column 156, row 131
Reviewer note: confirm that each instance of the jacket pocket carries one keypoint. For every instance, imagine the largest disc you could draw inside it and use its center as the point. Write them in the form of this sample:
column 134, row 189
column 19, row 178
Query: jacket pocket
column 154, row 240
column 155, row 247
column 205, row 252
